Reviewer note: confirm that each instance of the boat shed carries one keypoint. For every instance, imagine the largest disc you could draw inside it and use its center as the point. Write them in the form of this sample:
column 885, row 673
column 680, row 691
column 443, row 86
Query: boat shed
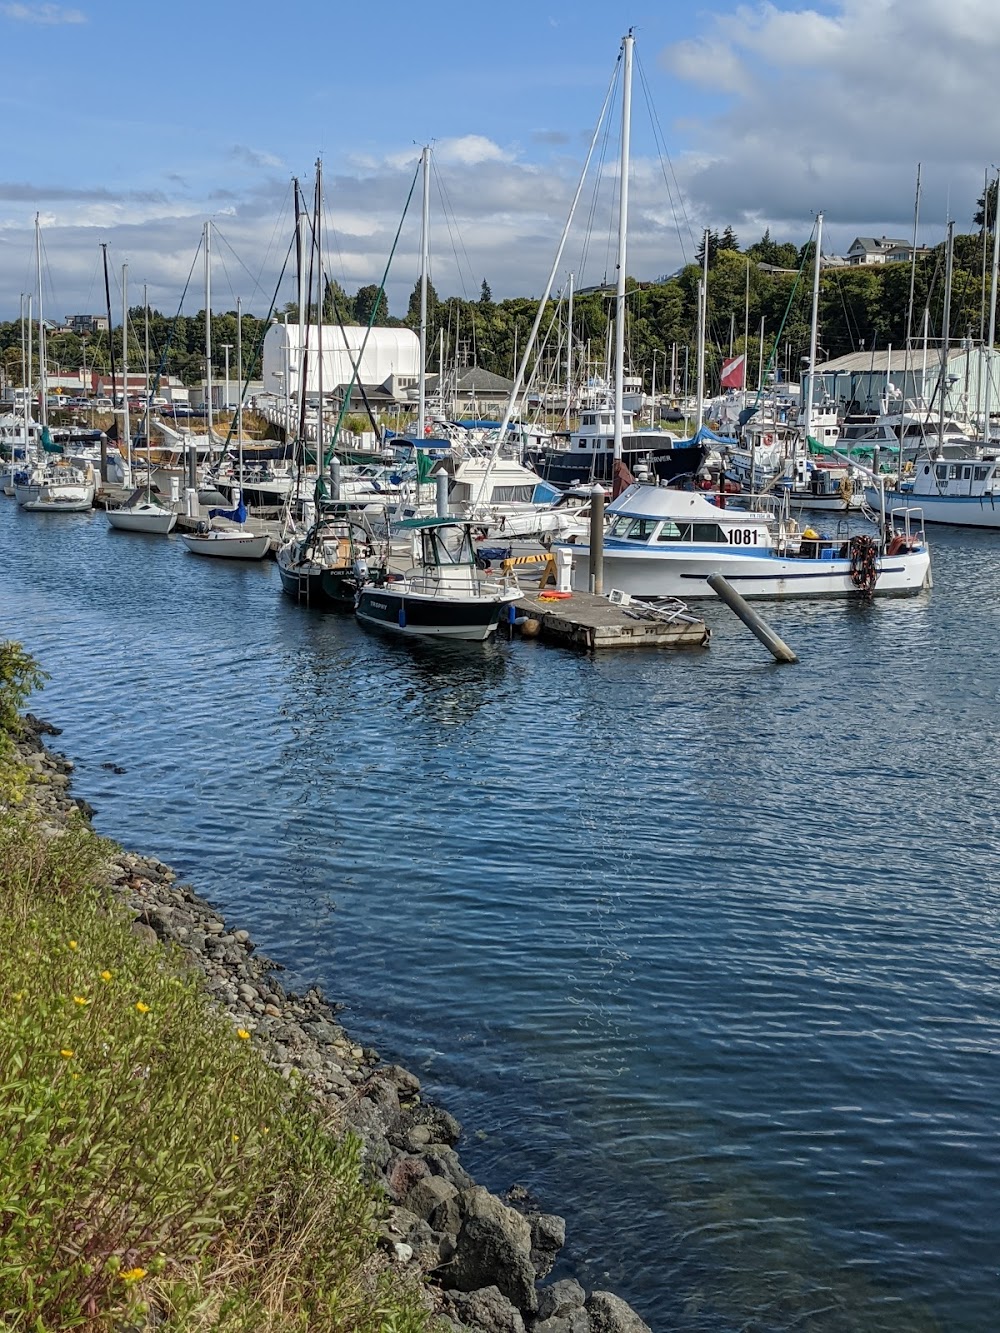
column 388, row 354
column 862, row 381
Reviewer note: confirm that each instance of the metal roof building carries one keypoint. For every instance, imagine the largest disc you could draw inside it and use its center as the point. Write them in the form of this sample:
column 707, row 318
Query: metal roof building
column 387, row 353
column 858, row 381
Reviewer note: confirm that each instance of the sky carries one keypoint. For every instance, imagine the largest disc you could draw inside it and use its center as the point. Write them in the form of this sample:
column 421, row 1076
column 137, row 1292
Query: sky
column 130, row 124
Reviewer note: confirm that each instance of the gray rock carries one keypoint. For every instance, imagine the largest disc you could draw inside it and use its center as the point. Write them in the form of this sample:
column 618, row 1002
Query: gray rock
column 406, row 1083
column 610, row 1314
column 561, row 1298
column 145, row 934
column 427, row 1195
column 492, row 1249
column 576, row 1321
column 488, row 1311
column 443, row 1161
column 548, row 1236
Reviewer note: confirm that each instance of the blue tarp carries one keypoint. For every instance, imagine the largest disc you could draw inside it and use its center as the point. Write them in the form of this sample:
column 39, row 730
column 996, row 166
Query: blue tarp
column 238, row 515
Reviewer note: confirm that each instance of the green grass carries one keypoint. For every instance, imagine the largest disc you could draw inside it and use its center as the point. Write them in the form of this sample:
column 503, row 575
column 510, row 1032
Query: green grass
column 150, row 1157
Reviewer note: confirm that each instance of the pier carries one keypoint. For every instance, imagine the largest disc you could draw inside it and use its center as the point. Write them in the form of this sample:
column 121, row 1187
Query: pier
column 592, row 623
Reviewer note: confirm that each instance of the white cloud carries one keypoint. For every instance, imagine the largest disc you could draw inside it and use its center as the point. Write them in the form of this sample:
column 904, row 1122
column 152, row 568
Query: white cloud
column 470, row 150
column 46, row 14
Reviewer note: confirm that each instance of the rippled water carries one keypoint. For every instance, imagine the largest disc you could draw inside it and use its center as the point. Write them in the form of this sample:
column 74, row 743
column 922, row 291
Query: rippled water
column 703, row 951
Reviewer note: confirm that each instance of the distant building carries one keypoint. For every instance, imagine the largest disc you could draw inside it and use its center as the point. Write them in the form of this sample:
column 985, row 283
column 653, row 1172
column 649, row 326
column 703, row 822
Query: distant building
column 388, row 353
column 862, row 381
column 869, row 250
column 85, row 325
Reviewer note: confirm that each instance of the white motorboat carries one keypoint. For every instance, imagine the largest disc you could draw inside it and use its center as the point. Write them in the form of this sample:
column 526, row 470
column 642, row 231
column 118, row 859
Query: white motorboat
column 445, row 595
column 665, row 543
column 963, row 492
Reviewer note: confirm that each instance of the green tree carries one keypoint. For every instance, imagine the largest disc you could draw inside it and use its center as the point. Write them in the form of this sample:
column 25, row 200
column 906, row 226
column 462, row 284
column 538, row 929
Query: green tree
column 369, row 305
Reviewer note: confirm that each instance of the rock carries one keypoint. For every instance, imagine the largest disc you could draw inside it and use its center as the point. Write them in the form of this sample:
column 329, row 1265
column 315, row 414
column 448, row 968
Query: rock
column 610, row 1314
column 443, row 1161
column 561, row 1298
column 403, row 1174
column 548, row 1236
column 576, row 1321
column 403, row 1252
column 487, row 1310
column 406, row 1083
column 429, row 1194
column 146, row 934
column 492, row 1249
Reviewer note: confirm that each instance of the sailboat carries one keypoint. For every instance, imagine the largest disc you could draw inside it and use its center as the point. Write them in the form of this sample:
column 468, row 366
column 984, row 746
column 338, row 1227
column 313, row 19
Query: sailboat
column 140, row 512
column 664, row 542
column 225, row 543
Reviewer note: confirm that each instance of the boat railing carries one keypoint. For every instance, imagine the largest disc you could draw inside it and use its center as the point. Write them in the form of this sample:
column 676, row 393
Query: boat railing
column 911, row 525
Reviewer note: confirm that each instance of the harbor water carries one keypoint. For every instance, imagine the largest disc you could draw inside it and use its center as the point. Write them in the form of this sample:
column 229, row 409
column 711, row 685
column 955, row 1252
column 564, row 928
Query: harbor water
column 703, row 951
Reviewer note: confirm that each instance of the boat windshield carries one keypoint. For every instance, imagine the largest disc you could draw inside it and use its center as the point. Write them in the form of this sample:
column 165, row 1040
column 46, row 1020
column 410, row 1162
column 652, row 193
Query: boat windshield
column 447, row 546
column 633, row 529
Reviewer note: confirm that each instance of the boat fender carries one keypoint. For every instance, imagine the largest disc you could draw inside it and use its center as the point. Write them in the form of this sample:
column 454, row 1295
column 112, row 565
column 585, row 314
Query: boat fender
column 401, row 618
column 898, row 545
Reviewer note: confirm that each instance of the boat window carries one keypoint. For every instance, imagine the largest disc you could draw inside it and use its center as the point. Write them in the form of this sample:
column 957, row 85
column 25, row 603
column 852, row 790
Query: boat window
column 707, row 532
column 588, row 421
column 512, row 494
column 670, row 532
column 966, row 473
column 581, row 444
column 619, row 527
column 941, row 471
column 636, row 529
column 982, row 473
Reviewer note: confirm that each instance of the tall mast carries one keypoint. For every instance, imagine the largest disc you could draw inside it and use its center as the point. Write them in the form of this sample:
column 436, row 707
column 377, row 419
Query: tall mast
column 425, row 158
column 320, row 294
column 239, row 379
column 126, row 423
column 149, row 382
column 208, row 334
column 627, row 45
column 987, row 398
column 813, row 330
column 43, row 390
column 946, row 331
column 569, row 350
column 702, row 321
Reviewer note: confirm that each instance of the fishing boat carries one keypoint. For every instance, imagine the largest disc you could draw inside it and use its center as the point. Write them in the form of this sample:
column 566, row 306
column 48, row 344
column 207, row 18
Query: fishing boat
column 665, row 543
column 446, row 594
column 964, row 493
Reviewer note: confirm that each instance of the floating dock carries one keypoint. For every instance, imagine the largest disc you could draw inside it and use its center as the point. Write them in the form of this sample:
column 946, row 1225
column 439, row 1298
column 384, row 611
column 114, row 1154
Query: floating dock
column 592, row 624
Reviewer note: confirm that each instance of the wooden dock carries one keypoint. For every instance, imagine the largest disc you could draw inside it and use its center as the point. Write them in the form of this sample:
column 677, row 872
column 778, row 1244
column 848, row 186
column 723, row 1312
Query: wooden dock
column 593, row 624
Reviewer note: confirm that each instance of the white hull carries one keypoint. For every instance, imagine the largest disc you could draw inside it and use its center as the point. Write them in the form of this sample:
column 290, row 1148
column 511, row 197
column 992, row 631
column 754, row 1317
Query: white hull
column 226, row 545
column 58, row 504
column 142, row 518
column 965, row 511
column 683, row 574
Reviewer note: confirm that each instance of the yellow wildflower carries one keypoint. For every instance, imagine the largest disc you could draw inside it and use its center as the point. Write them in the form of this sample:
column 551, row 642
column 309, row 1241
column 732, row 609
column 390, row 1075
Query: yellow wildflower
column 236, row 1138
column 132, row 1274
column 105, row 976
column 243, row 1034
column 264, row 1129
column 80, row 999
column 142, row 1008
column 66, row 1055
column 72, row 944
column 19, row 995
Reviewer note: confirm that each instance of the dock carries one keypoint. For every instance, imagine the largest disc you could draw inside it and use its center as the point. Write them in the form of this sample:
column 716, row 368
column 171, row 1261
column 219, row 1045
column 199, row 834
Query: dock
column 593, row 624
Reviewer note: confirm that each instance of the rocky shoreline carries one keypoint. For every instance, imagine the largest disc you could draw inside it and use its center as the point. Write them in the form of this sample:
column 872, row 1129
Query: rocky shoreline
column 485, row 1256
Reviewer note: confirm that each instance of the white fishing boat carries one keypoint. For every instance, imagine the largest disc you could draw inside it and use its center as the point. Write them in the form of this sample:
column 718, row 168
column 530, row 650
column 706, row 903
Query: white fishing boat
column 964, row 493
column 665, row 543
column 446, row 594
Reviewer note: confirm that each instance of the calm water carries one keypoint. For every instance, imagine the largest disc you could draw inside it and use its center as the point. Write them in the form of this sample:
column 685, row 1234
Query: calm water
column 703, row 951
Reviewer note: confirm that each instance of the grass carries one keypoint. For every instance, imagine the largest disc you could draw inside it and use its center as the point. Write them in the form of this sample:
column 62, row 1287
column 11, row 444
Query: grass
column 151, row 1159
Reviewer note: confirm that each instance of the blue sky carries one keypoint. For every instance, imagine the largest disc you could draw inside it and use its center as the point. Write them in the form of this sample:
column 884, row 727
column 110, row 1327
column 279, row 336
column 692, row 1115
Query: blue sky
column 130, row 124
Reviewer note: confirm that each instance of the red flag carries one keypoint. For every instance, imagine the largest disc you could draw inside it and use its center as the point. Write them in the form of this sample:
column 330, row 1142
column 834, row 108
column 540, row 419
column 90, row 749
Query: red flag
column 733, row 372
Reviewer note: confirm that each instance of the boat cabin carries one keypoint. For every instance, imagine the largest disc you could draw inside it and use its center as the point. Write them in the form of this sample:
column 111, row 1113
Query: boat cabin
column 971, row 476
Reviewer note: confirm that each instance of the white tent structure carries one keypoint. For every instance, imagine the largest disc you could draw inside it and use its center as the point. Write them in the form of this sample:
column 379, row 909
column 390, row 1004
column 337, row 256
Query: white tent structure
column 388, row 353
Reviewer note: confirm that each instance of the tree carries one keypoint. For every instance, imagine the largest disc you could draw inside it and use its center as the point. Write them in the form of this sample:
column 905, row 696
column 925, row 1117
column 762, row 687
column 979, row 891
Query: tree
column 712, row 238
column 986, row 207
column 413, row 309
column 485, row 295
column 369, row 305
column 728, row 240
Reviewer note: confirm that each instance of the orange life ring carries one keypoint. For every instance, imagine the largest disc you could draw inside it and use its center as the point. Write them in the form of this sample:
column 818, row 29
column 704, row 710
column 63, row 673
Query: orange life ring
column 897, row 546
column 768, row 439
column 553, row 596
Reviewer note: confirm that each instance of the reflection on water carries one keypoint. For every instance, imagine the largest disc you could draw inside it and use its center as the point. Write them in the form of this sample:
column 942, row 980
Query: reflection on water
column 702, row 950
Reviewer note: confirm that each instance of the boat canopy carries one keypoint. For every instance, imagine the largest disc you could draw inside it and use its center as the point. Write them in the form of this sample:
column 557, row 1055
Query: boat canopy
column 447, row 521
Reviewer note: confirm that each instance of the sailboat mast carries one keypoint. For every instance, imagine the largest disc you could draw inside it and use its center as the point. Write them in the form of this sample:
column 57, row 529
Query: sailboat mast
column 627, row 45
column 126, row 423
column 208, row 334
column 425, row 158
column 43, row 391
column 239, row 372
column 702, row 321
column 320, row 294
column 569, row 350
column 946, row 331
column 987, row 394
column 813, row 330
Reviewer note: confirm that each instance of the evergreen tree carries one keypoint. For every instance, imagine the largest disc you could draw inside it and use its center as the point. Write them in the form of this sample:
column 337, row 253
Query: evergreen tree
column 986, row 208
column 485, row 295
column 728, row 240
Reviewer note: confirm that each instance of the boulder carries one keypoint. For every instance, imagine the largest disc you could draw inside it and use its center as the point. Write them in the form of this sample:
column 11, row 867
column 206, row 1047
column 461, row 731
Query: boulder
column 428, row 1194
column 610, row 1314
column 561, row 1298
column 492, row 1249
column 548, row 1236
column 486, row 1310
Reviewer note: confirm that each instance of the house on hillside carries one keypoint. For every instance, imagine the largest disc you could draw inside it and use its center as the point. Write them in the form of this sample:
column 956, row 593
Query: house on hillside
column 870, row 250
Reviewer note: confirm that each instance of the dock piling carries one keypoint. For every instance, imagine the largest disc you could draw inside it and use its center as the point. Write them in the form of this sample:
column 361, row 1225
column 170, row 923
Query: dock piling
column 775, row 645
column 597, row 540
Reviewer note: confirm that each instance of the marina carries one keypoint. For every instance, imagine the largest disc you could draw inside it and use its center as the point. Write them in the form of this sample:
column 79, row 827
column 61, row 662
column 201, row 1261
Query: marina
column 622, row 1025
